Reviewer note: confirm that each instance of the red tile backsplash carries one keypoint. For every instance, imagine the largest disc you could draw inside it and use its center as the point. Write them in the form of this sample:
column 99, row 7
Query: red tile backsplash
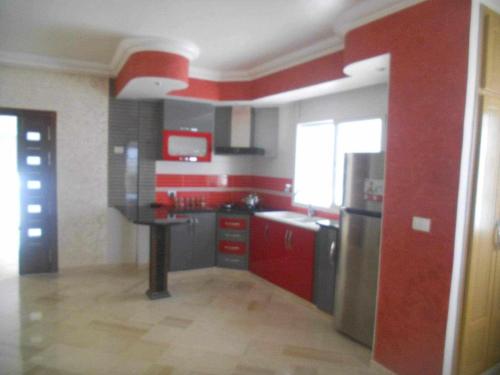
column 235, row 181
column 217, row 198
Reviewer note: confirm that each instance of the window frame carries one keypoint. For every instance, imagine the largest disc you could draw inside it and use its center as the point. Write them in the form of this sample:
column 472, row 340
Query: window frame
column 334, row 208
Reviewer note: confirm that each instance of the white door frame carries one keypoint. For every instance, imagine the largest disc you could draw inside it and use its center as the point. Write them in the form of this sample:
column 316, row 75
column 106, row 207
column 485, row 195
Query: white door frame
column 465, row 190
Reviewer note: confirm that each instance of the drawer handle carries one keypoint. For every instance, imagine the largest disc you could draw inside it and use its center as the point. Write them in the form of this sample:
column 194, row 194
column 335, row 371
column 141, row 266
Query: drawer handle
column 232, row 224
column 231, row 247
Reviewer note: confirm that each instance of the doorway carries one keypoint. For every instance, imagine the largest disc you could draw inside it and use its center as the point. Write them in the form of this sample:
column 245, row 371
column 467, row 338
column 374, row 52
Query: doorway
column 28, row 192
column 9, row 196
column 479, row 345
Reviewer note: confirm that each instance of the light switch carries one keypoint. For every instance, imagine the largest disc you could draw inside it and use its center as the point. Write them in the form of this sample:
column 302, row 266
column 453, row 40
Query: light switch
column 421, row 224
column 118, row 150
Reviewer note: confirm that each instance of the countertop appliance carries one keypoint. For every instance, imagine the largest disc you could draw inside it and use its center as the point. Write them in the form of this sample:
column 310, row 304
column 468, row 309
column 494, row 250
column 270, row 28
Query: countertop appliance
column 358, row 263
column 251, row 200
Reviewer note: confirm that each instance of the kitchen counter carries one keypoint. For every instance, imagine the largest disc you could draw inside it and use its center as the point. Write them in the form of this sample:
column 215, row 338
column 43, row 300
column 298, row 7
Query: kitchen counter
column 147, row 215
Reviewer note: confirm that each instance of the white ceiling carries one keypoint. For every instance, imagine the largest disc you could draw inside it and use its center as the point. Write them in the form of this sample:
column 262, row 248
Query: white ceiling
column 234, row 36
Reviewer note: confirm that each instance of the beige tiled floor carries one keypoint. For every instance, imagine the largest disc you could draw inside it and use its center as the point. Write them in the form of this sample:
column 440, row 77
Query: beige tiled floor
column 98, row 321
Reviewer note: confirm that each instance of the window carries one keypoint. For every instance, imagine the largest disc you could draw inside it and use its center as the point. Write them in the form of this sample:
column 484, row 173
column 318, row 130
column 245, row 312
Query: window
column 320, row 153
column 352, row 137
column 314, row 160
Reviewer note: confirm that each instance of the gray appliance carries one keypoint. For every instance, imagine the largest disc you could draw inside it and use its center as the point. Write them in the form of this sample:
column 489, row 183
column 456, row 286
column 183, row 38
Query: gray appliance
column 324, row 267
column 358, row 263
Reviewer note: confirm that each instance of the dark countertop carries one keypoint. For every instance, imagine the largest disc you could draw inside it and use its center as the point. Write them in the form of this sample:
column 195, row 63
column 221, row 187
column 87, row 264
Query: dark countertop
column 328, row 223
column 164, row 215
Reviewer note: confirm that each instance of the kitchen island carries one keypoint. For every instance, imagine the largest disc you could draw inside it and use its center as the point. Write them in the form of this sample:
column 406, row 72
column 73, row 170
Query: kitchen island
column 159, row 220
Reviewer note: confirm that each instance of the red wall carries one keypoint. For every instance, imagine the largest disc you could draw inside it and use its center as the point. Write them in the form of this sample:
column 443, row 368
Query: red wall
column 428, row 46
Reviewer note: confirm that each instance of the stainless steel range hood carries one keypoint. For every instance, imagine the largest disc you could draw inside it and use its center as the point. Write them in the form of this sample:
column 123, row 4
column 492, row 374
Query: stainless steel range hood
column 234, row 128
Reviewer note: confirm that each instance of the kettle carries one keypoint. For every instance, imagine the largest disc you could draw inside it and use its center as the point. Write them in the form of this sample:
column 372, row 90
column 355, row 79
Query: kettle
column 251, row 200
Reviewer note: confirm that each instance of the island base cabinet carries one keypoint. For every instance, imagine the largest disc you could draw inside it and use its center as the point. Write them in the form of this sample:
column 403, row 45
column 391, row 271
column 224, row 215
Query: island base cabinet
column 284, row 255
column 193, row 246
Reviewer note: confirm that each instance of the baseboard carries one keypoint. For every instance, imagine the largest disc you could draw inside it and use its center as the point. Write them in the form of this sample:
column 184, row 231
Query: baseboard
column 495, row 370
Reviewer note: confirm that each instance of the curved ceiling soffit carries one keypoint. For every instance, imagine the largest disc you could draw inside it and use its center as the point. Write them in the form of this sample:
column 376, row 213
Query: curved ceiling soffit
column 159, row 68
column 152, row 67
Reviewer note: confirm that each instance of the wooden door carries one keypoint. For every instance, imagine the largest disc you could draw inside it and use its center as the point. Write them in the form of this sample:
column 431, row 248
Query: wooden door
column 38, row 195
column 480, row 336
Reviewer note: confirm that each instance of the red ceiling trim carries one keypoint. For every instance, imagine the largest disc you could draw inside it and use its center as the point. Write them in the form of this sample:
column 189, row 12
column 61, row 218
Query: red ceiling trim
column 323, row 69
column 152, row 64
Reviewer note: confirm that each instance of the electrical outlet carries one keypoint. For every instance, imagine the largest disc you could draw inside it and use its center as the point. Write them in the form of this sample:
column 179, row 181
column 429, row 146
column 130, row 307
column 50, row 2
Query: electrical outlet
column 421, row 224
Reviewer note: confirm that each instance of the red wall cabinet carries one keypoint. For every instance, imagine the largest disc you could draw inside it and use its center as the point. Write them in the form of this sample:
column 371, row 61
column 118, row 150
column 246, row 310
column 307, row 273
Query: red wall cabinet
column 183, row 145
column 284, row 255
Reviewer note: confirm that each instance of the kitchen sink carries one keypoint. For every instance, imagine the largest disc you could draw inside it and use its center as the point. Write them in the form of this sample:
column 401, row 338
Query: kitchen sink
column 308, row 219
column 292, row 218
column 286, row 215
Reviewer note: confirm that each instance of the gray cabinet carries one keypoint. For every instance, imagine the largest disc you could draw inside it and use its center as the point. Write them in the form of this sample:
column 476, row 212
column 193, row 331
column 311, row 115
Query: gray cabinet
column 265, row 130
column 185, row 115
column 232, row 240
column 193, row 246
column 325, row 267
column 134, row 143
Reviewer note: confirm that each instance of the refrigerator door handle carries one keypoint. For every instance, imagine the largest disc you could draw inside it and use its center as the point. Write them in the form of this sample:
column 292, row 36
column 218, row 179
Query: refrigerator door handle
column 332, row 253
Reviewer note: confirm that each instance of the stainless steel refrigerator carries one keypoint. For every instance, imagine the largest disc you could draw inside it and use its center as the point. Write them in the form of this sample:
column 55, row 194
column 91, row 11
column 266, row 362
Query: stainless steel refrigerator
column 358, row 263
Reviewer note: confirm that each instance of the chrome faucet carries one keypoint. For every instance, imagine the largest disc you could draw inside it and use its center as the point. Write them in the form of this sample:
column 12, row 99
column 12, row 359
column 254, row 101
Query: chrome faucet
column 310, row 211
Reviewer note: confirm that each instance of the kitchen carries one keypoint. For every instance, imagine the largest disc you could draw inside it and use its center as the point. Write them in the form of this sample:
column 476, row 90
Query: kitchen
column 92, row 232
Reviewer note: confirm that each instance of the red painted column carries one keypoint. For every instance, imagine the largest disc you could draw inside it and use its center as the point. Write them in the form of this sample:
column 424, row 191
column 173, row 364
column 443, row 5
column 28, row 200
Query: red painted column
column 429, row 50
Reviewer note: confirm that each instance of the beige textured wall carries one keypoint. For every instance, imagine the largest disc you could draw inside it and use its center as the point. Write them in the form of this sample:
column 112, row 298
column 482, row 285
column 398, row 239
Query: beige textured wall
column 81, row 103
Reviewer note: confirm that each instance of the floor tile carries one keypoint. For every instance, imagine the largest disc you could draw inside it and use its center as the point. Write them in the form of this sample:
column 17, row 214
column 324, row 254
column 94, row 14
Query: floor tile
column 217, row 322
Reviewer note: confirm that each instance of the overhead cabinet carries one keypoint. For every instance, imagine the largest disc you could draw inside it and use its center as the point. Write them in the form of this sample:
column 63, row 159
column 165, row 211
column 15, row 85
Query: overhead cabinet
column 187, row 131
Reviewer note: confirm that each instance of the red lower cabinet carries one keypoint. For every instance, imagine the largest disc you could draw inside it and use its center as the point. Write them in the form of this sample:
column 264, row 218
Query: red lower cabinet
column 284, row 255
column 300, row 262
column 258, row 244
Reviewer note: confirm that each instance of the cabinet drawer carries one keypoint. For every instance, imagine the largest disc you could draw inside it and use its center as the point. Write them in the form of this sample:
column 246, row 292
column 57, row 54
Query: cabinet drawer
column 232, row 261
column 232, row 247
column 233, row 223
column 233, row 235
